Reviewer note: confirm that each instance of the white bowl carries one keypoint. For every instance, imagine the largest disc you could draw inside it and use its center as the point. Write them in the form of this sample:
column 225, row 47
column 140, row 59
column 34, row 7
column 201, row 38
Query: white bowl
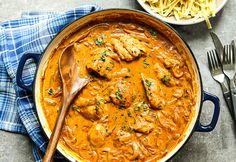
column 171, row 20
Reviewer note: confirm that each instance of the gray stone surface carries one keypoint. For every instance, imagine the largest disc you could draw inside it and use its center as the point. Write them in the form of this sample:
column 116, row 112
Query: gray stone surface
column 217, row 146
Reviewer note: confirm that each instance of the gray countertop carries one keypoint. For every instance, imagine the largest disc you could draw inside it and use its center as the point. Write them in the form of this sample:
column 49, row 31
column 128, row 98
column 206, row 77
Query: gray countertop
column 216, row 146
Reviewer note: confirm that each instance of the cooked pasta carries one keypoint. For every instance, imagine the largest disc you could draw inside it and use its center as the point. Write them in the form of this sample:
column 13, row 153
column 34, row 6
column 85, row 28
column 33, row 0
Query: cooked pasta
column 184, row 9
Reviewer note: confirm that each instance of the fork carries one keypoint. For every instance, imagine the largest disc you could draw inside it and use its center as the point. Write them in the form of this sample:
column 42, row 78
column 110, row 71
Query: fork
column 218, row 75
column 229, row 68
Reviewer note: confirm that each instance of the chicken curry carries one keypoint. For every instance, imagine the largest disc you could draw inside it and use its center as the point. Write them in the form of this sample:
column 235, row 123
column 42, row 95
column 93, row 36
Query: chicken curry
column 139, row 102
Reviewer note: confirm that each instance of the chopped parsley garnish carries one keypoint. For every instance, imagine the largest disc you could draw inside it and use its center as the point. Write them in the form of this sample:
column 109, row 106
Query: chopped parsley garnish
column 76, row 108
column 148, row 83
column 103, row 36
column 96, row 108
column 104, row 53
column 103, row 58
column 98, row 41
column 123, row 127
column 50, row 91
column 153, row 32
column 146, row 63
column 119, row 95
column 130, row 114
column 166, row 79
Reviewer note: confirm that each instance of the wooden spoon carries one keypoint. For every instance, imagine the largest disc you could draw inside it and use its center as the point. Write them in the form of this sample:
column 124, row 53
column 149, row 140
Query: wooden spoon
column 72, row 84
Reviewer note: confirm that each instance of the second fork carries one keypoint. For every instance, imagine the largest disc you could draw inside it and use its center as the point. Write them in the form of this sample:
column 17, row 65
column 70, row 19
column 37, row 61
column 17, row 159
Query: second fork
column 229, row 68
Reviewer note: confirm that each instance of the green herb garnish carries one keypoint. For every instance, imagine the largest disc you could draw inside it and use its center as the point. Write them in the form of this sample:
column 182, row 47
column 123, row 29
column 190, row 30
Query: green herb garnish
column 153, row 32
column 130, row 114
column 50, row 91
column 123, row 127
column 148, row 83
column 76, row 108
column 166, row 79
column 98, row 41
column 146, row 63
column 119, row 95
column 103, row 58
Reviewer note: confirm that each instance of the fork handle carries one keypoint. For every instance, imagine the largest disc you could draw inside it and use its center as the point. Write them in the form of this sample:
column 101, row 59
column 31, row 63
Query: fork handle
column 227, row 96
column 233, row 95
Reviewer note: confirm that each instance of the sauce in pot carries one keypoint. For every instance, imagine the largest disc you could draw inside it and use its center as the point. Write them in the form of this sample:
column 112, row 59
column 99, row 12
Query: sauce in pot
column 139, row 103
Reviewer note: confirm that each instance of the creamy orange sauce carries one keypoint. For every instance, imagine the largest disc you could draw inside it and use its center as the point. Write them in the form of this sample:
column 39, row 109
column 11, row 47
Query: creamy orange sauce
column 140, row 100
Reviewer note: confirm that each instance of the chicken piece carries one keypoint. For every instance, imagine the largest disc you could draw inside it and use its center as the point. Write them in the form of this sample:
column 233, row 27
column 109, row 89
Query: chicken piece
column 124, row 73
column 149, row 143
column 142, row 126
column 167, row 122
column 149, row 116
column 97, row 134
column 123, row 136
column 178, row 93
column 91, row 112
column 81, row 101
column 122, row 94
column 170, row 62
column 165, row 76
column 136, row 151
column 151, row 89
column 121, row 51
column 133, row 46
column 50, row 102
column 101, row 63
column 128, row 48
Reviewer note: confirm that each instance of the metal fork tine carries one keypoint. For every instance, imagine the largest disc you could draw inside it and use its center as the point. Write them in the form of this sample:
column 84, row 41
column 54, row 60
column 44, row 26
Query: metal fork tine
column 216, row 60
column 209, row 61
column 233, row 50
column 224, row 55
column 212, row 61
column 228, row 54
column 231, row 54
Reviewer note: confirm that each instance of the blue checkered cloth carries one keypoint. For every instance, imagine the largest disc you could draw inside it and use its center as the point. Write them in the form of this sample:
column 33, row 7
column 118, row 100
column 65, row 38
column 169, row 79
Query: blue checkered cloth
column 31, row 33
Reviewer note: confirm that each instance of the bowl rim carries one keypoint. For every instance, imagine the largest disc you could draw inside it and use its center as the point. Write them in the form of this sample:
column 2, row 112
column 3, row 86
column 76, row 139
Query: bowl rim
column 175, row 22
column 65, row 152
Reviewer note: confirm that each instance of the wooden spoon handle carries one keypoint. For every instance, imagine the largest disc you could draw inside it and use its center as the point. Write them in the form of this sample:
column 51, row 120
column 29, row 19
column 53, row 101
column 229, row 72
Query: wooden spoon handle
column 55, row 134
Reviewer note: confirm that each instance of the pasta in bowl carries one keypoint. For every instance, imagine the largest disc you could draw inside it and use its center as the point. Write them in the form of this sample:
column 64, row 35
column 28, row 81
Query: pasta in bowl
column 183, row 12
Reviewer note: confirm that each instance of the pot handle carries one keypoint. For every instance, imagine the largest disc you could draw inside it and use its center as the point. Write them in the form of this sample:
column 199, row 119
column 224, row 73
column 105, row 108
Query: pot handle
column 215, row 100
column 24, row 58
